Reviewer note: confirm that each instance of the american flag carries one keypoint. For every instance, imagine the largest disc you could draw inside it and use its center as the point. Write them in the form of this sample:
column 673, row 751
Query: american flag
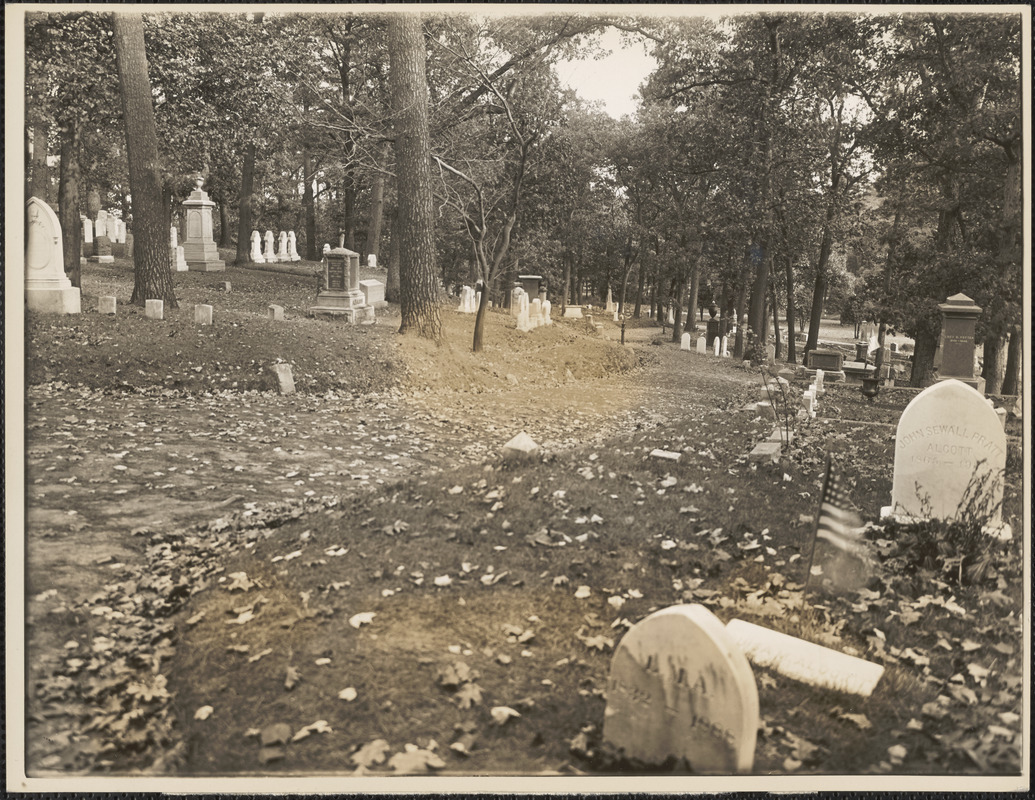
column 837, row 524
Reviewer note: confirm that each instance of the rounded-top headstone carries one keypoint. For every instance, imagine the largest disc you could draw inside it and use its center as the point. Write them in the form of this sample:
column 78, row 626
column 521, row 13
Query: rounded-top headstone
column 948, row 440
column 681, row 688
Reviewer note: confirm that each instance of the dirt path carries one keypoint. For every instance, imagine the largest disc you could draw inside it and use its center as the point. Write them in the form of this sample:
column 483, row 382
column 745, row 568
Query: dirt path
column 105, row 471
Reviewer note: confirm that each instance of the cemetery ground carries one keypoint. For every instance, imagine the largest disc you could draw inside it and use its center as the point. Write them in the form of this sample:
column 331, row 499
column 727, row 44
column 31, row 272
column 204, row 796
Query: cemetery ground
column 222, row 580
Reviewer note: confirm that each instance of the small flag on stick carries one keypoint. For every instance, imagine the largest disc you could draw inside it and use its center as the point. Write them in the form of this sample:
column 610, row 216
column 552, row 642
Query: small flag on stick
column 836, row 524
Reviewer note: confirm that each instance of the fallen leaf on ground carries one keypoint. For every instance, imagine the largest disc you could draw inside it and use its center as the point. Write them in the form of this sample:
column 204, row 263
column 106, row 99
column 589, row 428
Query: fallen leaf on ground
column 204, row 712
column 364, row 618
column 277, row 733
column 415, row 761
column 348, row 694
column 501, row 714
column 370, row 753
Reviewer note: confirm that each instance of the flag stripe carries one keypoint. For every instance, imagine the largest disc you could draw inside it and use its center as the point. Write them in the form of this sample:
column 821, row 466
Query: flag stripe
column 836, row 524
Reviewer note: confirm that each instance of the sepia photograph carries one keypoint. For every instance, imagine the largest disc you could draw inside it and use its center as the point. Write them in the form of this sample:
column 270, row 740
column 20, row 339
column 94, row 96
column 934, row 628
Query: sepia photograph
column 517, row 398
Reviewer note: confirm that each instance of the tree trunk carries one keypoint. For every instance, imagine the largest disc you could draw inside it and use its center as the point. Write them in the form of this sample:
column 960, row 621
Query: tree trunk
column 819, row 289
column 792, row 355
column 309, row 206
column 926, row 343
column 244, row 206
column 639, row 282
column 224, row 222
column 776, row 320
column 1014, row 354
column 740, row 345
column 392, row 279
column 68, row 202
column 377, row 204
column 409, row 89
column 40, row 173
column 151, row 257
column 479, row 319
column 994, row 363
column 567, row 282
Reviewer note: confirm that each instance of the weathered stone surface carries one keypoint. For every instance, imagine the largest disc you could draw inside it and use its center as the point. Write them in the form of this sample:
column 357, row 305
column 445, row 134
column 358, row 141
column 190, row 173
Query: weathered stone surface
column 702, row 345
column 106, row 304
column 285, row 380
column 203, row 314
column 947, row 437
column 804, row 661
column 680, row 688
column 199, row 248
column 154, row 309
column 276, row 312
column 47, row 288
column 373, row 291
column 521, row 446
column 766, row 451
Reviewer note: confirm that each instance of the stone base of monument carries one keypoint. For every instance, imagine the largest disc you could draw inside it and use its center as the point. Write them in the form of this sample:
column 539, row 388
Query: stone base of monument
column 53, row 300
column 350, row 306
column 836, row 376
column 202, row 257
column 1001, row 531
column 102, row 259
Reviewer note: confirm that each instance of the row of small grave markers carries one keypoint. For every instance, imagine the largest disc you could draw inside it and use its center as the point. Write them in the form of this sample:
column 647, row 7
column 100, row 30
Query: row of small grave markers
column 155, row 309
column 287, row 250
column 720, row 347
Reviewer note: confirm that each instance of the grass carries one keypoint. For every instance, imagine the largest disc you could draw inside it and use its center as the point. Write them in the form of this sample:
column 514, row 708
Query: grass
column 489, row 575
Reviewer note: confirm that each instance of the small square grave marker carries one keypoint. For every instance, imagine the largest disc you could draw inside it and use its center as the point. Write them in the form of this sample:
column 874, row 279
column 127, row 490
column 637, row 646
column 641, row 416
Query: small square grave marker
column 154, row 309
column 106, row 304
column 203, row 314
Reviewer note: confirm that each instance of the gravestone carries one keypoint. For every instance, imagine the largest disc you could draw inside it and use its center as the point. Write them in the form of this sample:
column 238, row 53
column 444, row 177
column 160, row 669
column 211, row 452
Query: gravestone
column 154, row 309
column 680, row 688
column 202, row 314
column 467, row 303
column 106, row 304
column 374, row 292
column 87, row 231
column 47, row 288
column 572, row 312
column 524, row 324
column 770, row 353
column 341, row 295
column 959, row 318
column 829, row 360
column 535, row 313
column 282, row 247
column 102, row 253
column 671, row 317
column 285, row 380
column 530, row 283
column 702, row 345
column 255, row 256
column 547, row 306
column 522, row 446
column 372, row 261
column 268, row 254
column 712, row 327
column 100, row 225
column 515, row 300
column 610, row 306
column 725, row 346
column 716, row 345
column 947, row 437
column 684, row 341
column 293, row 247
column 199, row 248
column 275, row 313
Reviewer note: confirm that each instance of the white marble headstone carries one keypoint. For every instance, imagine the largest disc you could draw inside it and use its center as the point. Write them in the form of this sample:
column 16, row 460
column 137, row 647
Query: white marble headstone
column 684, row 341
column 47, row 288
column 702, row 345
column 948, row 436
column 679, row 687
column 269, row 253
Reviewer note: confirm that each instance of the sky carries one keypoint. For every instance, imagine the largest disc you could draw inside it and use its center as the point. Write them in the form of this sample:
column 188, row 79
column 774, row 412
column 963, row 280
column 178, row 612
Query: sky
column 613, row 80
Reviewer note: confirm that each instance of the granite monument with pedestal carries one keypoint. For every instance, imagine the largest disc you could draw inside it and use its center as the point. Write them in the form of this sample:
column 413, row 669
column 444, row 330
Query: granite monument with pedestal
column 341, row 295
column 199, row 248
column 959, row 318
